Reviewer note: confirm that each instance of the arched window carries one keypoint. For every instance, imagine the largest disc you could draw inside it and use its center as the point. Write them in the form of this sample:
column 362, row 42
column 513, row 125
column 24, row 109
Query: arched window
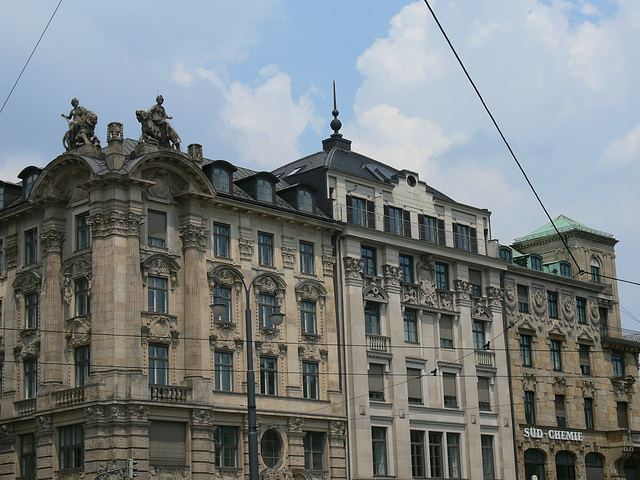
column 595, row 466
column 565, row 466
column 270, row 448
column 534, row 464
column 595, row 270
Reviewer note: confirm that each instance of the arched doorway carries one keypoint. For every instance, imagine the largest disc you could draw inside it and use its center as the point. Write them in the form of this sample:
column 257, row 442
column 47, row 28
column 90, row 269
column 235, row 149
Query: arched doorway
column 595, row 466
column 533, row 464
column 565, row 466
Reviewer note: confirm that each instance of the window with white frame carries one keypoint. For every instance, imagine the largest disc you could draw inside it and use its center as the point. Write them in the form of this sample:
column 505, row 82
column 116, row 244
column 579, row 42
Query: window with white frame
column 224, row 371
column 158, row 364
column 266, row 305
column 311, row 380
column 410, row 326
column 158, row 290
column 314, row 451
column 306, row 258
column 379, row 450
column 223, row 295
column 308, row 317
column 268, row 375
column 226, row 446
column 265, row 249
column 221, row 240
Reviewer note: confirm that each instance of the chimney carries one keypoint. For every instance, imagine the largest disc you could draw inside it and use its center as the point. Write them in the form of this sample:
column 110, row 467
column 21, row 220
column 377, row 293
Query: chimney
column 115, row 152
column 195, row 153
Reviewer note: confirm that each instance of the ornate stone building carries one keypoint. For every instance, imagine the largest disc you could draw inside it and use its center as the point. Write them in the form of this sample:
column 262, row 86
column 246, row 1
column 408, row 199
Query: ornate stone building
column 110, row 261
column 421, row 307
column 574, row 369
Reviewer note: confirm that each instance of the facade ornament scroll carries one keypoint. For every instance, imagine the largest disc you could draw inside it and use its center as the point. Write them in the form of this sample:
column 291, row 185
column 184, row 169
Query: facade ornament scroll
column 295, row 424
column 193, row 236
column 328, row 265
column 7, row 435
column 246, row 248
column 202, row 417
column 161, row 328
column 309, row 352
column 288, row 257
column 594, row 313
column 510, row 297
column 166, row 472
column 27, row 281
column 588, row 389
column 44, row 425
column 51, row 242
column 529, row 382
column 309, row 291
column 115, row 223
column 392, row 274
column 568, row 308
column 337, row 428
column 539, row 303
column 496, row 296
column 353, row 266
column 162, row 265
column 375, row 292
column 559, row 386
column 623, row 388
column 463, row 289
column 78, row 331
column 276, row 474
column 266, row 284
column 11, row 252
column 479, row 310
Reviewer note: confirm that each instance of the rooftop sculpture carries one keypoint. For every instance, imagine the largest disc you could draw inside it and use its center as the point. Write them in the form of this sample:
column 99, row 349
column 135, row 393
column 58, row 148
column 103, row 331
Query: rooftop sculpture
column 155, row 128
column 82, row 124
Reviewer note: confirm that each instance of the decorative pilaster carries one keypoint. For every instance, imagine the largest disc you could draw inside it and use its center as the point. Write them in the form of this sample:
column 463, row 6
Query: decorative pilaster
column 353, row 268
column 193, row 236
column 51, row 307
column 44, row 447
column 202, row 459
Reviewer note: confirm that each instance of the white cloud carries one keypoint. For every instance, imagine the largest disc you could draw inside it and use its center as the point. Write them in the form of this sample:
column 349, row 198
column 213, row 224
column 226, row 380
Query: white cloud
column 180, row 75
column 624, row 150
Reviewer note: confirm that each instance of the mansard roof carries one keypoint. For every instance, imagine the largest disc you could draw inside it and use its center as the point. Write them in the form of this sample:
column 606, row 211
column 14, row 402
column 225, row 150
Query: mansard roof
column 564, row 224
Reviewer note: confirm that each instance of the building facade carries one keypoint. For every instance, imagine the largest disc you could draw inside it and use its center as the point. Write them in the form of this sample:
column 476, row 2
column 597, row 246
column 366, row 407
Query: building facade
column 574, row 369
column 110, row 262
column 421, row 307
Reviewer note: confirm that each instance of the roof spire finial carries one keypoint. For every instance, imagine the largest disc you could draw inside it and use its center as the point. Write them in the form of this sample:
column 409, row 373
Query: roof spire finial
column 336, row 124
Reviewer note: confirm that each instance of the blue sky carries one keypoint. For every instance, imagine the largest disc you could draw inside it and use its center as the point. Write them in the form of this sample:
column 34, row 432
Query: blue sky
column 251, row 81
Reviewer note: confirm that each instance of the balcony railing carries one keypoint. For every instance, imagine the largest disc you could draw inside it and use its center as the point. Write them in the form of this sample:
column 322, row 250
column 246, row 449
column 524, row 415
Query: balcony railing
column 25, row 407
column 485, row 358
column 620, row 335
column 72, row 396
column 635, row 437
column 378, row 343
column 169, row 393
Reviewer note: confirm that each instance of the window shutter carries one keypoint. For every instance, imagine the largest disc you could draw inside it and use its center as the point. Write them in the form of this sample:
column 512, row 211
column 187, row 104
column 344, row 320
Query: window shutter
column 446, row 327
column 406, row 217
column 422, row 228
column 387, row 225
column 371, row 214
column 157, row 227
column 349, row 209
column 441, row 236
column 167, row 443
column 560, row 406
column 414, row 386
column 483, row 390
column 376, row 379
column 474, row 240
column 449, row 384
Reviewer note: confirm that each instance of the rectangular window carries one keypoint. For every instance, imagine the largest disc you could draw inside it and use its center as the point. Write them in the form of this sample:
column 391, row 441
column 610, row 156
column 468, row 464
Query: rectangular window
column 266, row 305
column 314, row 451
column 376, row 381
column 265, row 249
column 484, row 395
column 31, row 310
column 431, row 229
column 523, row 299
column 475, row 279
column 1, row 256
column 31, row 246
column 565, row 269
column 585, row 364
column 28, row 455
column 393, row 220
column 221, row 180
column 453, row 455
column 379, row 450
column 306, row 258
column 157, row 228
column 308, row 319
column 442, row 276
column 414, row 385
column 223, row 295
column 622, row 411
column 478, row 335
column 224, row 371
column 305, row 201
column 552, row 301
column 617, row 360
column 406, row 268
column 561, row 416
column 368, row 255
column 556, row 355
column 417, row 453
column 446, row 331
column 83, row 305
column 158, row 364
column 268, row 375
column 465, row 238
column 310, row 380
column 71, row 447
column 83, row 232
column 525, row 351
column 410, row 326
column 82, row 360
column 265, row 190
column 536, row 263
column 588, row 414
column 372, row 318
column 435, row 454
column 595, row 273
column 167, row 443
column 449, row 389
column 530, row 407
column 488, row 470
column 581, row 310
column 30, row 377
column 221, row 240
column 361, row 212
column 158, row 290
column 226, row 444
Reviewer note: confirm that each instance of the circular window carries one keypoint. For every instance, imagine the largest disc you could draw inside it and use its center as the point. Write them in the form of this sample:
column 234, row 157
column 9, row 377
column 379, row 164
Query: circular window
column 411, row 180
column 270, row 447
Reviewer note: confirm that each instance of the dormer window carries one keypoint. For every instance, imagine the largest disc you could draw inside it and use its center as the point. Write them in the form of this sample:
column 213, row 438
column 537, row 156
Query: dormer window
column 565, row 269
column 505, row 254
column 264, row 190
column 305, row 201
column 29, row 181
column 536, row 262
column 221, row 179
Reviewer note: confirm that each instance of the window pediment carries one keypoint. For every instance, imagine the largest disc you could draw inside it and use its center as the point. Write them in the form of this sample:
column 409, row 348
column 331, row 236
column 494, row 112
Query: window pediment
column 27, row 281
column 161, row 265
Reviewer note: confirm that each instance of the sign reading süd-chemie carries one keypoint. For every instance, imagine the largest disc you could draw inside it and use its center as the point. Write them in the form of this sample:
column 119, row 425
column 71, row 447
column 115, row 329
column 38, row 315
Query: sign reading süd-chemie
column 532, row 432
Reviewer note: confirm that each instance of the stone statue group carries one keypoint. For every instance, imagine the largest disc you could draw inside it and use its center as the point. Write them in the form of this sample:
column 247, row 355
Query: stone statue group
column 155, row 128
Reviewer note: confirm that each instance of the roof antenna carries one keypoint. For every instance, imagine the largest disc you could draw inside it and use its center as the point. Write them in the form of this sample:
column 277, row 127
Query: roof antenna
column 336, row 124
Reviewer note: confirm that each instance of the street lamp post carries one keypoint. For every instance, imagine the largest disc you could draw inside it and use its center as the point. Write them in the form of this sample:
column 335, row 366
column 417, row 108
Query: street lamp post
column 277, row 318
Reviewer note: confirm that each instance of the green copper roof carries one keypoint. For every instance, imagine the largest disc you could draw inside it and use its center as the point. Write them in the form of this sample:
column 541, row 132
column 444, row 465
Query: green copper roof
column 563, row 224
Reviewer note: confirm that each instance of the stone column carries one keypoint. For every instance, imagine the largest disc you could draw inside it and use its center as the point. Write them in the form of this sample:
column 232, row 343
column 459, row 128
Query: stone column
column 7, row 451
column 51, row 309
column 202, row 447
column 337, row 450
column 196, row 304
column 45, row 451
